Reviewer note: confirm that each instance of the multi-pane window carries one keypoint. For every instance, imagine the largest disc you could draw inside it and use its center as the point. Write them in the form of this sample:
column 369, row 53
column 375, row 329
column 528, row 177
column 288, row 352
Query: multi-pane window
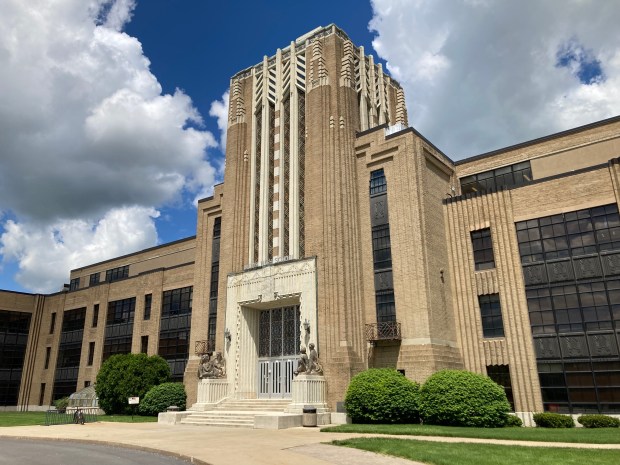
column 491, row 313
column 14, row 328
column 483, row 249
column 174, row 330
column 507, row 176
column 119, row 327
column 501, row 375
column 378, row 184
column 177, row 302
column 117, row 273
column 386, row 306
column 74, row 285
column 69, row 353
column 381, row 249
column 573, row 297
column 215, row 276
column 93, row 279
column 121, row 311
column 576, row 233
column 148, row 301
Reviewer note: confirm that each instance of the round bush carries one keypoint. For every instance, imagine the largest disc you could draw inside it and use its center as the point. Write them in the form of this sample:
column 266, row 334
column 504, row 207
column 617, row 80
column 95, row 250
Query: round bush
column 599, row 421
column 553, row 420
column 159, row 398
column 128, row 375
column 382, row 395
column 513, row 421
column 462, row 398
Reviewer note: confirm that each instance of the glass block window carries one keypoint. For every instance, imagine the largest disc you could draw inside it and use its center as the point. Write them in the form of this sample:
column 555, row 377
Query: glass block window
column 491, row 313
column 483, row 249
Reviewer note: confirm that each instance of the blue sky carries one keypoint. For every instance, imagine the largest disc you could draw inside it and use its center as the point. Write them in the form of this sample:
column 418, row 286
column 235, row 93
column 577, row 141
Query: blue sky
column 112, row 111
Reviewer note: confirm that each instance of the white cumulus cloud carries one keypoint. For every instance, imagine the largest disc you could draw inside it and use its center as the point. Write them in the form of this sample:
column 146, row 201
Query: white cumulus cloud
column 219, row 110
column 86, row 134
column 481, row 75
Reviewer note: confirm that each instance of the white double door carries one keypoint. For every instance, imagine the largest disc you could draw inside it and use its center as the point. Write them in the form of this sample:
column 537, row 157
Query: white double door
column 278, row 346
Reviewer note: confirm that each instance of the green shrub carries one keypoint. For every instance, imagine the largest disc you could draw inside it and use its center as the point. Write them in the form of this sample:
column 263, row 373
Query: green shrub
column 61, row 404
column 599, row 421
column 553, row 420
column 128, row 375
column 159, row 398
column 513, row 421
column 463, row 398
column 382, row 395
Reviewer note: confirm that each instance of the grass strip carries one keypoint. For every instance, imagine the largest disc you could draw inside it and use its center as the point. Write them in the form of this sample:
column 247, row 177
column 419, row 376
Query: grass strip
column 480, row 454
column 38, row 418
column 575, row 435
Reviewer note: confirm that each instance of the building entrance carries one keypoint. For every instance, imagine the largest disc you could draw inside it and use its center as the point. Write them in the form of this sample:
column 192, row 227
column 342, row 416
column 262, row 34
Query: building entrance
column 278, row 344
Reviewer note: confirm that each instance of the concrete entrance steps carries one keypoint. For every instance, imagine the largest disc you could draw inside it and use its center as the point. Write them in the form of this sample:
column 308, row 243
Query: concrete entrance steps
column 236, row 413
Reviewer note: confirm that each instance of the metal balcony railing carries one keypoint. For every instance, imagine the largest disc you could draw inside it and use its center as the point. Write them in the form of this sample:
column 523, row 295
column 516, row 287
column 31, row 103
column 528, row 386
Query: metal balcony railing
column 385, row 331
column 204, row 347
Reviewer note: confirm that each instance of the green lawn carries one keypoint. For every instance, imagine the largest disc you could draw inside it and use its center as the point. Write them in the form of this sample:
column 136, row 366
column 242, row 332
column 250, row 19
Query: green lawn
column 481, row 454
column 580, row 435
column 38, row 418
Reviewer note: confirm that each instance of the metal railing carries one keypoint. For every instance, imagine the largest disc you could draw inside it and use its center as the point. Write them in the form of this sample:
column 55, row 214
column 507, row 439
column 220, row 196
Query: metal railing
column 204, row 347
column 385, row 331
column 59, row 417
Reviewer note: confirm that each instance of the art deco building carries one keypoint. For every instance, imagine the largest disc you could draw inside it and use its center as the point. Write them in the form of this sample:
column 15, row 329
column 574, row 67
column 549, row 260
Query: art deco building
column 339, row 225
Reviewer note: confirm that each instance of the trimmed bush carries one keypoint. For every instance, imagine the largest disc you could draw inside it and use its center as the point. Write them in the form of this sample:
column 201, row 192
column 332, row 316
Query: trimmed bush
column 159, row 398
column 128, row 375
column 553, row 420
column 382, row 395
column 598, row 421
column 513, row 421
column 463, row 398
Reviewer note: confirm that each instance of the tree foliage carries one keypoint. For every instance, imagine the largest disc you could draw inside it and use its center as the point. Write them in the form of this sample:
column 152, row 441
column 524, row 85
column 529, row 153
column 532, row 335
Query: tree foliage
column 128, row 375
column 382, row 395
column 463, row 398
column 160, row 397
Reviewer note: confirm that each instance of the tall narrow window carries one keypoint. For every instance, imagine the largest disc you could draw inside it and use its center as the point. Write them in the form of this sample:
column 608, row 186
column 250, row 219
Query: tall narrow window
column 385, row 305
column 69, row 353
column 91, row 353
column 95, row 315
column 144, row 344
column 483, row 249
column 215, row 275
column 53, row 323
column 42, row 394
column 491, row 313
column 174, row 333
column 48, row 353
column 148, row 300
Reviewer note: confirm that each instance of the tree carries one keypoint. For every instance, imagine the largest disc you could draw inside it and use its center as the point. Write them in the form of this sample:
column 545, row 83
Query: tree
column 128, row 375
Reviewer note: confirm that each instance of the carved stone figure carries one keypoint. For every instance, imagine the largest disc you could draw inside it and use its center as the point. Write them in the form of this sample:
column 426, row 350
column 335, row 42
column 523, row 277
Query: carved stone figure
column 302, row 363
column 314, row 366
column 212, row 367
column 202, row 368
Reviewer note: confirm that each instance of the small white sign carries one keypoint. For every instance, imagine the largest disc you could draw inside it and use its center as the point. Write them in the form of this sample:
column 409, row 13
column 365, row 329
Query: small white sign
column 134, row 400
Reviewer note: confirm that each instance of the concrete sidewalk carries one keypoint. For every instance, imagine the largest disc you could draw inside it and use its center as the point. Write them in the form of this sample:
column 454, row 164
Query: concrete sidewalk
column 232, row 446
